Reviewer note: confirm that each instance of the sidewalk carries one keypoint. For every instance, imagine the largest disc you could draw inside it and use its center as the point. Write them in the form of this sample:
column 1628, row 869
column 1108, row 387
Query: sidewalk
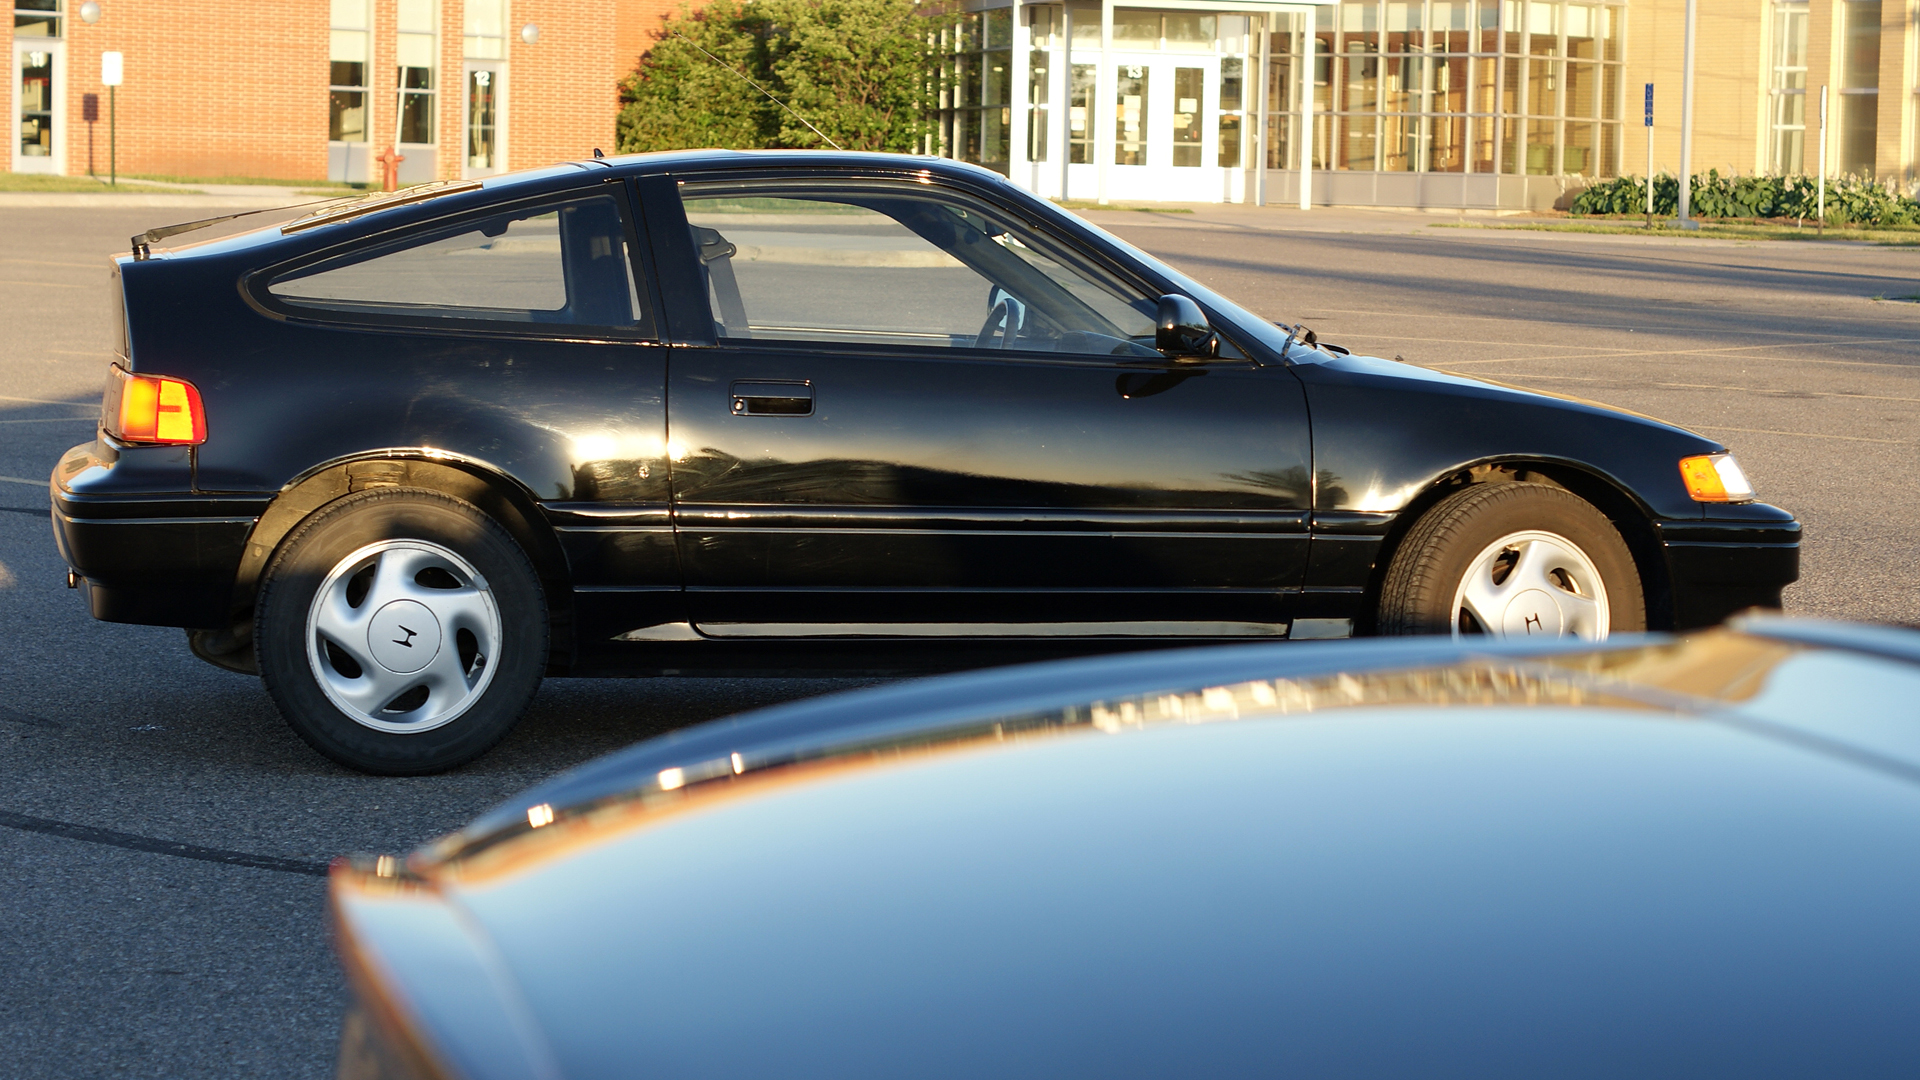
column 211, row 196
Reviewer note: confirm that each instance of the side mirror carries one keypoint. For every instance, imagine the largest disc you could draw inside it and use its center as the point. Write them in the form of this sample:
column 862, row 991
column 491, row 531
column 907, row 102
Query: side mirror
column 1181, row 329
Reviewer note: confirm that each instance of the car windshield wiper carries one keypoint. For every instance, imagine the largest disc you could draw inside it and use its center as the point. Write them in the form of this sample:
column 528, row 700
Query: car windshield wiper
column 143, row 243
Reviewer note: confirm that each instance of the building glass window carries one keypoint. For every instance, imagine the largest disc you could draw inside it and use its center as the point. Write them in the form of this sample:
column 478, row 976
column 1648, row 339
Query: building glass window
column 1134, row 30
column 1515, row 86
column 414, row 76
column 1131, row 92
column 1080, row 115
column 1189, row 93
column 36, row 18
column 1859, row 118
column 36, row 104
column 1283, row 88
column 1043, row 35
column 347, row 72
column 486, row 30
column 1787, row 89
column 976, row 87
column 1232, row 110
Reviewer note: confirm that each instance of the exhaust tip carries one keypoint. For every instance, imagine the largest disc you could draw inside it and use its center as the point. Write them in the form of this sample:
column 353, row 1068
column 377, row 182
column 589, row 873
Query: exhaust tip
column 73, row 578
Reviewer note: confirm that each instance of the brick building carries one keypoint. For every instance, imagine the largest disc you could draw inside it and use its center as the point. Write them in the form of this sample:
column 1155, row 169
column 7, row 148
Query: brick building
column 293, row 89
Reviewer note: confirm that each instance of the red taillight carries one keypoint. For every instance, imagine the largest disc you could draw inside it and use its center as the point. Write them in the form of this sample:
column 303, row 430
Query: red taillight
column 153, row 409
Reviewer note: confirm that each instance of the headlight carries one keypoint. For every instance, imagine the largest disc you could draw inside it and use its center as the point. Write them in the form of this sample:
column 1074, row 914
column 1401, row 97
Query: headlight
column 1715, row 478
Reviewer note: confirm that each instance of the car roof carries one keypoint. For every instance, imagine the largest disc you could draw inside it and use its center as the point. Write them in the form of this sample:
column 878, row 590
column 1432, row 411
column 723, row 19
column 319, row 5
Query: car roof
column 376, row 210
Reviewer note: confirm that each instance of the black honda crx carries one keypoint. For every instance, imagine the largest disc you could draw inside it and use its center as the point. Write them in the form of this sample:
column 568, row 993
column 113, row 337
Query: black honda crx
column 758, row 413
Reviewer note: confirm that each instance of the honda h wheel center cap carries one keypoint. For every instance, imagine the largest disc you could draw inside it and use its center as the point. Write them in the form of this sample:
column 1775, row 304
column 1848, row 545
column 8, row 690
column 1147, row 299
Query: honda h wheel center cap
column 1533, row 612
column 403, row 636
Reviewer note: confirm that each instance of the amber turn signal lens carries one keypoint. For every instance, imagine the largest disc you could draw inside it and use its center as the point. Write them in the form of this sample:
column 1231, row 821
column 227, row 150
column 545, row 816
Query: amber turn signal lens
column 1715, row 478
column 153, row 409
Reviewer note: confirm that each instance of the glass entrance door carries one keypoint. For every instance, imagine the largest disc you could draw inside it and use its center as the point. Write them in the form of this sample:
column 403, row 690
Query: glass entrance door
column 483, row 126
column 36, row 98
column 1166, row 130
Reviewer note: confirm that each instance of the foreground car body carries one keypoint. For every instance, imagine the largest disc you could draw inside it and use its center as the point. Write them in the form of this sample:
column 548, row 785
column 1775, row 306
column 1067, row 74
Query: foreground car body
column 799, row 412
column 1687, row 857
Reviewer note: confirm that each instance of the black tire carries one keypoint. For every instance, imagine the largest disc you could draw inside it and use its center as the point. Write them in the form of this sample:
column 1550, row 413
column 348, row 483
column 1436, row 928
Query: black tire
column 1431, row 563
column 472, row 688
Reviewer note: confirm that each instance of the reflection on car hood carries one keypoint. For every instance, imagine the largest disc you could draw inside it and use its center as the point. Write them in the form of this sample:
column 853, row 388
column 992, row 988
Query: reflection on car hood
column 1661, row 855
column 1695, row 674
column 1476, row 381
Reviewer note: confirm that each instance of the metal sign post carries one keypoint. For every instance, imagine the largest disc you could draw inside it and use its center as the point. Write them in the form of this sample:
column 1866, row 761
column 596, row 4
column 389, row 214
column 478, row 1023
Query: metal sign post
column 1821, row 225
column 90, row 112
column 1649, row 155
column 1686, row 123
column 112, row 68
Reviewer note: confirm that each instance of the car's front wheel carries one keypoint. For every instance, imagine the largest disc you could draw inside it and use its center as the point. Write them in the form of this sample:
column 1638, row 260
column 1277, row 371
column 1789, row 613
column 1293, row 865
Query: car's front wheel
column 1513, row 560
column 401, row 631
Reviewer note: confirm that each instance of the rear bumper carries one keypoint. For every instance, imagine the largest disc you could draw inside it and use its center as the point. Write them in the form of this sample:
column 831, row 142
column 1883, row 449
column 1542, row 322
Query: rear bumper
column 162, row 558
column 1720, row 566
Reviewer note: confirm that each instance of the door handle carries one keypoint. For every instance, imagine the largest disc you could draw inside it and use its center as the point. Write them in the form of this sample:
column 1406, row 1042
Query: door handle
column 771, row 398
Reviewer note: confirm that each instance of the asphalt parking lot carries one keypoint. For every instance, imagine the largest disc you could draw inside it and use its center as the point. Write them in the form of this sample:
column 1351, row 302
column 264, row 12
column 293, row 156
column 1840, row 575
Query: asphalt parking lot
column 162, row 832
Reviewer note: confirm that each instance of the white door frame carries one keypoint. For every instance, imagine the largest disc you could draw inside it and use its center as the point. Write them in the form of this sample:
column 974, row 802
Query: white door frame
column 56, row 160
column 498, row 70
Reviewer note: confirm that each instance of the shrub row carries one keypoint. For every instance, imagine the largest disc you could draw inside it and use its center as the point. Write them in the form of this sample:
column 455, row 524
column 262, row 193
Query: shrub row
column 1850, row 201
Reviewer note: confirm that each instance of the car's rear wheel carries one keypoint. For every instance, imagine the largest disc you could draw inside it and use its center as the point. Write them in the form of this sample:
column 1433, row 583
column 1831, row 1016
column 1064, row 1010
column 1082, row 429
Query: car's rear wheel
column 1513, row 560
column 401, row 631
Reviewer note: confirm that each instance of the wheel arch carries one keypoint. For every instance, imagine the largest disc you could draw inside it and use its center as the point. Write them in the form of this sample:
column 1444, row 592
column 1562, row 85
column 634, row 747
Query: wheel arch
column 495, row 493
column 1625, row 510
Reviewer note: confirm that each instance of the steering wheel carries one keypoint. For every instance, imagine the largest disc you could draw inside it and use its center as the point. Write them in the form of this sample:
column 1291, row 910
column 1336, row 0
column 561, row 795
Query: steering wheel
column 1003, row 318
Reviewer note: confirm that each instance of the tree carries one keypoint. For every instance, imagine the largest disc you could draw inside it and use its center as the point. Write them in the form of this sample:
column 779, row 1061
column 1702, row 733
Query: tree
column 677, row 99
column 855, row 69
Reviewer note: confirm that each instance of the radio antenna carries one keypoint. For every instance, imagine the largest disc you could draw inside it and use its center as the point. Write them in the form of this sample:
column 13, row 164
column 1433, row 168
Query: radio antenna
column 743, row 77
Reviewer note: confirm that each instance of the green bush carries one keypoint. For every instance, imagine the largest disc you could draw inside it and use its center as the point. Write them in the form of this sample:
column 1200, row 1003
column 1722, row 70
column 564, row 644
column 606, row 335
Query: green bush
column 855, row 69
column 1850, row 200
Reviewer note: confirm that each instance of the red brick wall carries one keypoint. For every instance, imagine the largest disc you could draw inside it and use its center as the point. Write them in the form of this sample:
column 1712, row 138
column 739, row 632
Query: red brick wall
column 235, row 88
column 561, row 88
column 212, row 88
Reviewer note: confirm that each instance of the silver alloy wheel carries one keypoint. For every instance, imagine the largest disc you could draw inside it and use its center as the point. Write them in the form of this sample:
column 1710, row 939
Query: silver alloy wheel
column 1533, row 583
column 403, row 636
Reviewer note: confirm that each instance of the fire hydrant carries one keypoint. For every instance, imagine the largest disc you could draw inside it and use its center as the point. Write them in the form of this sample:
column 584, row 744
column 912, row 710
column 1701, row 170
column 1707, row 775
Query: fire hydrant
column 390, row 169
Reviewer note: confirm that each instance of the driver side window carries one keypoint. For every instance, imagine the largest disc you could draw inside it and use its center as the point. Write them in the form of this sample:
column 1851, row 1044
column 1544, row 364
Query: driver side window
column 899, row 265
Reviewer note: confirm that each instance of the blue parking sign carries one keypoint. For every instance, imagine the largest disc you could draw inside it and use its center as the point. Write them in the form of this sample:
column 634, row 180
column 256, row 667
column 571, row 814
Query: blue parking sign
column 1649, row 104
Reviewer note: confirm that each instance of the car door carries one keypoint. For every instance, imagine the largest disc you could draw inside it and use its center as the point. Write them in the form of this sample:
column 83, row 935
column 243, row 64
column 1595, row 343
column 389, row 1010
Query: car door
column 905, row 410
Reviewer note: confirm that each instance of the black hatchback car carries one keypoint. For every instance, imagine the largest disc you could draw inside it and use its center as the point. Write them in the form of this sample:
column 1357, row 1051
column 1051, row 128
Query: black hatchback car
column 804, row 412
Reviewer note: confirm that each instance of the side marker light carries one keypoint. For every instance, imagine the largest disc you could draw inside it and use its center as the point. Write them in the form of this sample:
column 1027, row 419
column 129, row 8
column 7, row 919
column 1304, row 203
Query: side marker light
column 1715, row 478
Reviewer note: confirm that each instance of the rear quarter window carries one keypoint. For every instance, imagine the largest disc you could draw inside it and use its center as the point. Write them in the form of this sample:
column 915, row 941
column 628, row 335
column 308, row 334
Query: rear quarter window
column 564, row 263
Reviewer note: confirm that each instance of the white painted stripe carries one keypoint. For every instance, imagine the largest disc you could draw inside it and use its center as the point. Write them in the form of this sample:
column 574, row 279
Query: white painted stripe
column 1013, row 629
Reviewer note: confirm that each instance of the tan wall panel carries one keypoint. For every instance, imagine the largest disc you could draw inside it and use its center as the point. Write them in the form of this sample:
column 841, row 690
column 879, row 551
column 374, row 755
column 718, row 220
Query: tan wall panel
column 1727, row 107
